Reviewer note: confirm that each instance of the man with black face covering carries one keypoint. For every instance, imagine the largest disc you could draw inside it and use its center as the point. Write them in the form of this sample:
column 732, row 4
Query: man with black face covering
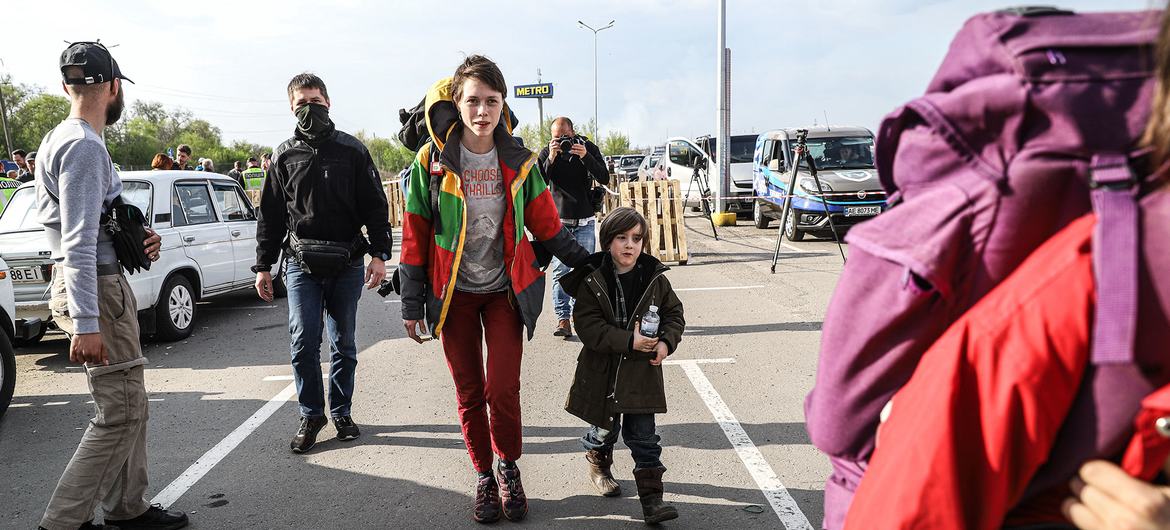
column 321, row 189
column 90, row 304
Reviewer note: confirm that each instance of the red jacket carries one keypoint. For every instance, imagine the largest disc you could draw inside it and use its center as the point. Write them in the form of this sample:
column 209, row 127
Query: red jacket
column 968, row 433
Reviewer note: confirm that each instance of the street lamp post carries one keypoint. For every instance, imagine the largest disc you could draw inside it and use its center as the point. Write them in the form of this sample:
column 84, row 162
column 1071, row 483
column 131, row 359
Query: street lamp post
column 596, row 123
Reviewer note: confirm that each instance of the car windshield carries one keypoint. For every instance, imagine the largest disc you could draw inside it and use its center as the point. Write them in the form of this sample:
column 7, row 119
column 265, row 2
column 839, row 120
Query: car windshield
column 21, row 213
column 850, row 152
column 743, row 147
column 632, row 161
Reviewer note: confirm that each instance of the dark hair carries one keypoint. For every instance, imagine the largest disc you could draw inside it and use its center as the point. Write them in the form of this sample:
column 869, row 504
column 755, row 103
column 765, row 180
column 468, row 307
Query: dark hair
column 19, row 152
column 564, row 119
column 621, row 220
column 184, row 148
column 307, row 80
column 481, row 68
column 251, row 159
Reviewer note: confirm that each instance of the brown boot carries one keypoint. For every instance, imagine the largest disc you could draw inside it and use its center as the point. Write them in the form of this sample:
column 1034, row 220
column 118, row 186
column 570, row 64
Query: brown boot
column 649, row 482
column 600, row 463
column 564, row 329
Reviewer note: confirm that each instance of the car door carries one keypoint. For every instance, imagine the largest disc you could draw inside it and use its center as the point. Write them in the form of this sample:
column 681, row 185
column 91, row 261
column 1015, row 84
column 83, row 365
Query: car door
column 236, row 211
column 144, row 283
column 206, row 240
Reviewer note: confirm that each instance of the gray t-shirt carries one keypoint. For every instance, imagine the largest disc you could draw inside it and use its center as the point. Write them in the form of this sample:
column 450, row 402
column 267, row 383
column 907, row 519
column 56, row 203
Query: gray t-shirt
column 481, row 269
column 74, row 166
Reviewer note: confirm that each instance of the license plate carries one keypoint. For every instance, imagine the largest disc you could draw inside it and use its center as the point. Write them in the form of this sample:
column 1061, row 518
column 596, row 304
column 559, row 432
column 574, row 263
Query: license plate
column 27, row 275
column 858, row 211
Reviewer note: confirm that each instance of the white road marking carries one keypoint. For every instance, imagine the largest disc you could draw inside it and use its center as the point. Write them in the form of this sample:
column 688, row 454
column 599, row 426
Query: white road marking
column 796, row 249
column 55, row 403
column 196, row 471
column 156, row 399
column 279, row 378
column 392, row 302
column 732, row 288
column 699, row 361
column 782, row 502
column 249, row 307
column 19, row 405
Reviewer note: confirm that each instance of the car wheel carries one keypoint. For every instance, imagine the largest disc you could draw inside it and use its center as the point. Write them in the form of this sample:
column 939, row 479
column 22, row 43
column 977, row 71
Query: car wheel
column 791, row 232
column 758, row 217
column 31, row 341
column 7, row 372
column 175, row 311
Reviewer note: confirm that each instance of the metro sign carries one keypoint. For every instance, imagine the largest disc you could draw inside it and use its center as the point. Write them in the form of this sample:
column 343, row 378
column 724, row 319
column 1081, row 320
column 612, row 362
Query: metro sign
column 540, row 90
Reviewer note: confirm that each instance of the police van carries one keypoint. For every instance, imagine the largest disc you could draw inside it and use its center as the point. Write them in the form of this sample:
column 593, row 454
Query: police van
column 849, row 192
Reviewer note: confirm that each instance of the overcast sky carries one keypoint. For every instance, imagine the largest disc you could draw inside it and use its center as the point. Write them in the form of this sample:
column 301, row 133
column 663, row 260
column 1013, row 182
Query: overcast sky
column 229, row 61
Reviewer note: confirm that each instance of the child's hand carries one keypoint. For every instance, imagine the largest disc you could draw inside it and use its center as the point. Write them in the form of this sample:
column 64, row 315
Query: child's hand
column 663, row 351
column 643, row 343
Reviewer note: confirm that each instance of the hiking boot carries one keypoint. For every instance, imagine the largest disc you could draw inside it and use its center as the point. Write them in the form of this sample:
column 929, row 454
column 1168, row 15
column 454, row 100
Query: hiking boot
column 564, row 329
column 600, row 463
column 155, row 518
column 306, row 436
column 346, row 429
column 512, row 492
column 487, row 500
column 649, row 483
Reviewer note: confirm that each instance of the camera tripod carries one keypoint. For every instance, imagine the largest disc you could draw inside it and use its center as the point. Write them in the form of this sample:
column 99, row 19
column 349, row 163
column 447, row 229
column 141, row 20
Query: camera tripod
column 701, row 184
column 802, row 153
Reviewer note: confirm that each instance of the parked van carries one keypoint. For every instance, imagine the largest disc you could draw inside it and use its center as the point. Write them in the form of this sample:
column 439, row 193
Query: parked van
column 676, row 158
column 844, row 161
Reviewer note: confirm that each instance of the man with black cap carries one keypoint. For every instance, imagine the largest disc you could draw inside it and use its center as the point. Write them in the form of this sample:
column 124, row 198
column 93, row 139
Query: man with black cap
column 91, row 302
column 31, row 160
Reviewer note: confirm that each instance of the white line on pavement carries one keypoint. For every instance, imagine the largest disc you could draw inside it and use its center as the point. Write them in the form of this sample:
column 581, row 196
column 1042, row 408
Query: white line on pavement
column 18, row 405
column 279, row 378
column 733, row 288
column 782, row 502
column 700, row 361
column 392, row 302
column 55, row 403
column 180, row 485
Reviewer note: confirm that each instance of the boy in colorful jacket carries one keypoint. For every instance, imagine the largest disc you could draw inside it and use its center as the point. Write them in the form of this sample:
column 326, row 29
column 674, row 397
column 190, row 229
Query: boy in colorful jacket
column 468, row 271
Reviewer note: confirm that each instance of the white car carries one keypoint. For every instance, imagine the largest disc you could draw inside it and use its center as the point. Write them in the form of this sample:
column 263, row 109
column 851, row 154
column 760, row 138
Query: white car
column 7, row 333
column 208, row 229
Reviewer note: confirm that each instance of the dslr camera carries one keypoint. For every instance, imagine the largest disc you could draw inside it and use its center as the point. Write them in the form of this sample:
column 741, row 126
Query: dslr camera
column 567, row 142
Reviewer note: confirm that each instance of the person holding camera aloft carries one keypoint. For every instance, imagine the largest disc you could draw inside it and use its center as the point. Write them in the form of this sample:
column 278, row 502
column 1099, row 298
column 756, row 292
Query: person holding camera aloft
column 571, row 163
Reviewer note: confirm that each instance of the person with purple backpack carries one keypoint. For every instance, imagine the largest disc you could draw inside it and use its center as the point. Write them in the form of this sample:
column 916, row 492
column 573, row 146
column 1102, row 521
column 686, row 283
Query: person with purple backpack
column 1032, row 121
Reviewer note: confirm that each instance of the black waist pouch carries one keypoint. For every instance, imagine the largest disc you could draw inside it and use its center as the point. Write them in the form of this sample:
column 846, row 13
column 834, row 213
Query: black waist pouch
column 324, row 258
column 127, row 228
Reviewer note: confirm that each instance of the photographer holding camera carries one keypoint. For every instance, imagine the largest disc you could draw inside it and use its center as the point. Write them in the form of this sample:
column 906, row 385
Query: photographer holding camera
column 571, row 163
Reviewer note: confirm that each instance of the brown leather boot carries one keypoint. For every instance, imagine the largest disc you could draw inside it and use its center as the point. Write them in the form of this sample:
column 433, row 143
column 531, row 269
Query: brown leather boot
column 649, row 482
column 564, row 329
column 600, row 463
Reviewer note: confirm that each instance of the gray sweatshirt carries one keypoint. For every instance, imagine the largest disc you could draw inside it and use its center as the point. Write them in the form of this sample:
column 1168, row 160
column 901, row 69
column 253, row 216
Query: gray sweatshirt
column 74, row 166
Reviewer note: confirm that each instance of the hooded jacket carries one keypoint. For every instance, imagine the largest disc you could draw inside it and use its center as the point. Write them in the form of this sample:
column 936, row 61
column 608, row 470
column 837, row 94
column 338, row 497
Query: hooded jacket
column 435, row 223
column 611, row 378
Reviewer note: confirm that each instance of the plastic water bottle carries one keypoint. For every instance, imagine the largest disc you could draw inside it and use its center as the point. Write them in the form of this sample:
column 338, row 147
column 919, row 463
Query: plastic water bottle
column 650, row 322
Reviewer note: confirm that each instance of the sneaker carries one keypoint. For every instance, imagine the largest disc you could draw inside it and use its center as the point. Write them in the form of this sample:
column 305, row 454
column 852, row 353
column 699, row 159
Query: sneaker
column 512, row 492
column 346, row 429
column 306, row 436
column 564, row 329
column 155, row 518
column 89, row 525
column 487, row 501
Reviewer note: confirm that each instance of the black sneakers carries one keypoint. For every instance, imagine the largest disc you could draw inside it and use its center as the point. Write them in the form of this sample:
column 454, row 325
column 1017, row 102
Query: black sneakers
column 487, row 500
column 346, row 429
column 512, row 491
column 306, row 436
column 89, row 525
column 155, row 518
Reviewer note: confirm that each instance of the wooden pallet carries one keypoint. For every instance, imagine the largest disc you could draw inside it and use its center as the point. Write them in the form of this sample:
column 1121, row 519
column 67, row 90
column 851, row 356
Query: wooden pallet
column 396, row 202
column 612, row 200
column 660, row 202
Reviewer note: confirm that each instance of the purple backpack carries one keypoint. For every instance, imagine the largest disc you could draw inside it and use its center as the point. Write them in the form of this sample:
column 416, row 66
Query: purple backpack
column 1030, row 122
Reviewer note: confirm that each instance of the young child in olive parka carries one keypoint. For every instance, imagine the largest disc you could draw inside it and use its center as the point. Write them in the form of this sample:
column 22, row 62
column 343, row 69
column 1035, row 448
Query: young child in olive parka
column 618, row 385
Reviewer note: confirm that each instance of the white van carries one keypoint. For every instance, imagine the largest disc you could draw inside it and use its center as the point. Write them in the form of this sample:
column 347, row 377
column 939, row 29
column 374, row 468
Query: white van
column 680, row 151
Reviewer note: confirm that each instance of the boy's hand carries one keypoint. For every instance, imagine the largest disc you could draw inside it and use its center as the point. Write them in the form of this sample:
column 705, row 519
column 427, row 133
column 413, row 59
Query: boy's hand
column 663, row 351
column 1105, row 497
column 643, row 343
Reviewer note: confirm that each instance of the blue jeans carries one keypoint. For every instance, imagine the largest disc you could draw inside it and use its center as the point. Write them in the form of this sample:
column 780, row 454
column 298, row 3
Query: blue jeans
column 638, row 432
column 586, row 236
column 309, row 299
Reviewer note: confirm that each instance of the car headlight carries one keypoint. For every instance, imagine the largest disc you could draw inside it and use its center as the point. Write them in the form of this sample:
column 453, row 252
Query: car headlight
column 810, row 186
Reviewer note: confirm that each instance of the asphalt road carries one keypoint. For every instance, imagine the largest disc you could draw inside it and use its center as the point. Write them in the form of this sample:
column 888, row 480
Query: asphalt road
column 736, row 448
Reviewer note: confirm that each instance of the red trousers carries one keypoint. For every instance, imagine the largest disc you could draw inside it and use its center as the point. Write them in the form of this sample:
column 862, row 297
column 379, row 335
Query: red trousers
column 497, row 392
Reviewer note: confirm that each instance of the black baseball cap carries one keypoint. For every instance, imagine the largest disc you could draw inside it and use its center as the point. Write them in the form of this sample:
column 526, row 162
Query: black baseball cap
column 93, row 57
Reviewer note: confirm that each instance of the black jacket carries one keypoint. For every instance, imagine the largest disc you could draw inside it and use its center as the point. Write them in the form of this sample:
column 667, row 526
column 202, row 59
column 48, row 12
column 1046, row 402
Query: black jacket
column 568, row 178
column 327, row 190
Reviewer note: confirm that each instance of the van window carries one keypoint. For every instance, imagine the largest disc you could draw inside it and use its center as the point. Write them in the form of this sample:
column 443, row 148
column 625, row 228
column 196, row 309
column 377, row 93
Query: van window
column 742, row 149
column 680, row 153
column 851, row 152
column 766, row 153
